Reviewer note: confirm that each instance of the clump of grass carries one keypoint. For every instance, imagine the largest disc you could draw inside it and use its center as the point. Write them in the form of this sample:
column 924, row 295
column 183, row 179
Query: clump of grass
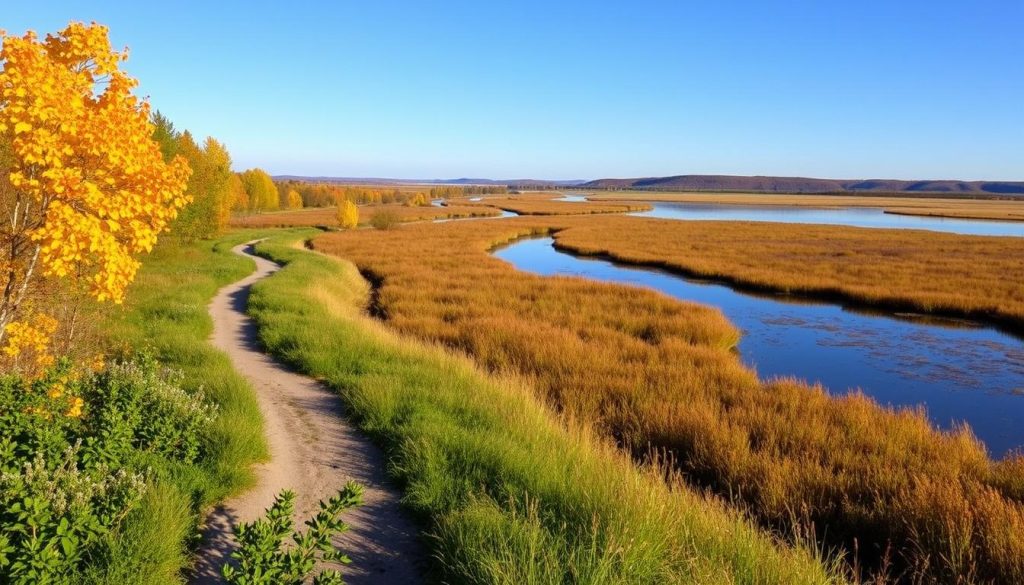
column 658, row 375
column 510, row 494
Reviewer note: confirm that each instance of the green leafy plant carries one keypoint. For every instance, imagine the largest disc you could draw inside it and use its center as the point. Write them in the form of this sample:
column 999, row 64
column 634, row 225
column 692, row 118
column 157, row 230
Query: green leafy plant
column 53, row 514
column 139, row 406
column 76, row 450
column 263, row 557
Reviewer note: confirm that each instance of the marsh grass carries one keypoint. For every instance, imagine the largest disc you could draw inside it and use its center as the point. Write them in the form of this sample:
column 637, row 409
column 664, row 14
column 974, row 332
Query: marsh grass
column 938, row 273
column 902, row 499
column 508, row 492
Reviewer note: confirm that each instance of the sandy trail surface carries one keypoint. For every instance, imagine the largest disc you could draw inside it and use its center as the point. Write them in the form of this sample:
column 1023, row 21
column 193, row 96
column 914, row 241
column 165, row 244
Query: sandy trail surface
column 314, row 450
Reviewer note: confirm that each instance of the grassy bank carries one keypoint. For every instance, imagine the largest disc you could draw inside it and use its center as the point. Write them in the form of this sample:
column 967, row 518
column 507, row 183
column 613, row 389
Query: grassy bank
column 165, row 314
column 653, row 372
column 508, row 493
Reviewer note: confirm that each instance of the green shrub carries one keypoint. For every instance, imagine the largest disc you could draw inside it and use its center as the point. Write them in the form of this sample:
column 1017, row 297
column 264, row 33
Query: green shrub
column 75, row 453
column 139, row 406
column 263, row 558
column 385, row 219
column 55, row 513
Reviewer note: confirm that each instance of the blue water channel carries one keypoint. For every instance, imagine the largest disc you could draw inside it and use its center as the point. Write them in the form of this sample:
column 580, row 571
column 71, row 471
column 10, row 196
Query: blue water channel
column 868, row 217
column 959, row 371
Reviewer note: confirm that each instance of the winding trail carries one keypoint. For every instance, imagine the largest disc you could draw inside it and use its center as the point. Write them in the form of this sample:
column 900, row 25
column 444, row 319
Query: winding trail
column 314, row 450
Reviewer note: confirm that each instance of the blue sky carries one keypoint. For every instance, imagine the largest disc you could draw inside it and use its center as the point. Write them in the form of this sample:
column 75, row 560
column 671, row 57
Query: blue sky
column 582, row 89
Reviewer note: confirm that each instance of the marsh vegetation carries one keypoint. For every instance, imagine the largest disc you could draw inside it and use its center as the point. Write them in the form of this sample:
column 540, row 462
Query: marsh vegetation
column 961, row 371
column 934, row 273
column 659, row 376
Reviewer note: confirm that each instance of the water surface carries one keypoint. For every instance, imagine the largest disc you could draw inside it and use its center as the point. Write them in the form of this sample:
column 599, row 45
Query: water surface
column 571, row 198
column 503, row 214
column 868, row 217
column 958, row 370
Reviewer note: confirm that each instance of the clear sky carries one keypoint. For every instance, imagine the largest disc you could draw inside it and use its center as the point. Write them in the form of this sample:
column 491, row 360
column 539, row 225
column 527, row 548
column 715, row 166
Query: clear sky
column 582, row 89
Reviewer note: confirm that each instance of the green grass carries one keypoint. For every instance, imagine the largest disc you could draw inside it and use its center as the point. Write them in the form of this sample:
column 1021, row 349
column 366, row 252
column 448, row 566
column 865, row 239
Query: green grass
column 166, row 314
column 506, row 492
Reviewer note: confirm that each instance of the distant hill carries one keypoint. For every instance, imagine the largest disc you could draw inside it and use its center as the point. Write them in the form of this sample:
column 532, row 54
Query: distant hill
column 462, row 181
column 735, row 183
column 807, row 185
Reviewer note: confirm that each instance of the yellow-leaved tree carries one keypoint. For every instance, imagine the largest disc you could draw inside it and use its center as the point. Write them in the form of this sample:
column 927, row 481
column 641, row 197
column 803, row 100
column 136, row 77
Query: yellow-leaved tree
column 83, row 187
column 418, row 200
column 348, row 214
column 261, row 191
column 238, row 195
column 294, row 199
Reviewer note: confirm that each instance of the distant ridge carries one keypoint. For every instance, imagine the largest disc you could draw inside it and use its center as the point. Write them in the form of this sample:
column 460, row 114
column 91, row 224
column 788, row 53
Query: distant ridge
column 727, row 183
column 461, row 181
column 764, row 184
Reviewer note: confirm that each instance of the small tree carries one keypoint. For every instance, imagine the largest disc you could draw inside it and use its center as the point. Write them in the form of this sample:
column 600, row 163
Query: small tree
column 294, row 199
column 84, row 188
column 238, row 196
column 348, row 214
column 262, row 191
column 418, row 200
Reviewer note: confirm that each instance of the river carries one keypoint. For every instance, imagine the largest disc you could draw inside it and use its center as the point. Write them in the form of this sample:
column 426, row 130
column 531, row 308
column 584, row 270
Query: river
column 867, row 217
column 960, row 371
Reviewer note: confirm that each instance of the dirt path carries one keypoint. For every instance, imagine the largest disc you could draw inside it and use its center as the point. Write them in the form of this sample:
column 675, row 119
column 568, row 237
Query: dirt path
column 314, row 450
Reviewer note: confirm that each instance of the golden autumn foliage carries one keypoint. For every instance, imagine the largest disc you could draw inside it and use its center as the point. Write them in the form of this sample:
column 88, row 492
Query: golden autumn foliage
column 85, row 189
column 418, row 200
column 294, row 200
column 238, row 196
column 348, row 214
column 209, row 188
column 262, row 194
column 230, row 189
column 213, row 188
column 320, row 217
column 28, row 344
column 322, row 194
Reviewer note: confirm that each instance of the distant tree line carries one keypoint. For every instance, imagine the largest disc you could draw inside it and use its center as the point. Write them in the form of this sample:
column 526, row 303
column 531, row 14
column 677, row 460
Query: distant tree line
column 329, row 194
column 450, row 191
column 215, row 190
